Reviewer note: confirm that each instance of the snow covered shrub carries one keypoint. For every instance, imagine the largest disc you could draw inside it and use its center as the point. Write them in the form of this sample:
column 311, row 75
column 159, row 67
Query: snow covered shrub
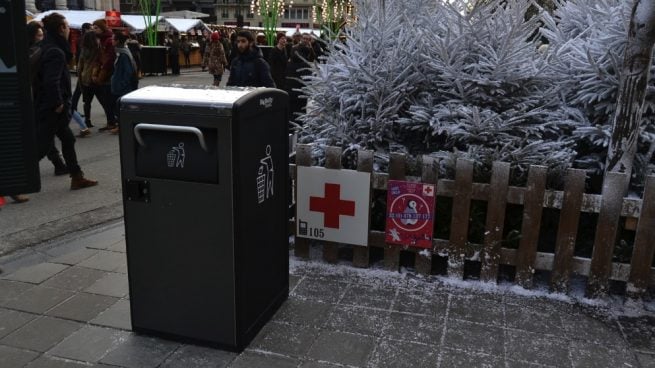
column 445, row 82
column 587, row 40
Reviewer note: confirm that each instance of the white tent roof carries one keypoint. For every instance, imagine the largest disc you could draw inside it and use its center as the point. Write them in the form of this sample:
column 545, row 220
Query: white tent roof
column 136, row 22
column 75, row 17
column 183, row 25
column 186, row 14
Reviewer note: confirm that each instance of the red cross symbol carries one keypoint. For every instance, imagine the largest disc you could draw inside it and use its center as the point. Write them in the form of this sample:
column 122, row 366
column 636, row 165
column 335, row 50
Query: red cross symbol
column 332, row 206
column 427, row 190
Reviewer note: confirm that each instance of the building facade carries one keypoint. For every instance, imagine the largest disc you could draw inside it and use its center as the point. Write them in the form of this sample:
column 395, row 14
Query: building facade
column 228, row 12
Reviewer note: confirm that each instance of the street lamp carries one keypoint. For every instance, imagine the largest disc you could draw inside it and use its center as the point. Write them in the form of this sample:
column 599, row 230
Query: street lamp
column 270, row 11
column 333, row 15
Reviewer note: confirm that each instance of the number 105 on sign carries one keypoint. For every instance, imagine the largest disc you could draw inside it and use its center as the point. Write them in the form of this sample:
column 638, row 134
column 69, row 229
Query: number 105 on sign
column 311, row 232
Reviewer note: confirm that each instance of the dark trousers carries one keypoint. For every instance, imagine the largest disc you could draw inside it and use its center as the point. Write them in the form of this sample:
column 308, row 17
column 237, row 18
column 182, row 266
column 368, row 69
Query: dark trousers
column 175, row 64
column 88, row 92
column 76, row 96
column 53, row 155
column 51, row 124
column 217, row 79
column 104, row 95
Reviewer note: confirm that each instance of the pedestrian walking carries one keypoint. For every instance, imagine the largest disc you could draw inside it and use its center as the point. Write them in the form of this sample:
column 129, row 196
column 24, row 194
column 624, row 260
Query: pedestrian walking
column 103, row 78
column 278, row 59
column 227, row 45
column 135, row 48
column 125, row 79
column 35, row 37
column 185, row 47
column 249, row 69
column 86, row 27
column 296, row 69
column 214, row 59
column 88, row 73
column 53, row 97
column 174, row 53
column 202, row 44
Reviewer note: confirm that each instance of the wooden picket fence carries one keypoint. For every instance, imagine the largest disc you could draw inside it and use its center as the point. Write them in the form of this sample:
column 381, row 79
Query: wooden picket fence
column 639, row 215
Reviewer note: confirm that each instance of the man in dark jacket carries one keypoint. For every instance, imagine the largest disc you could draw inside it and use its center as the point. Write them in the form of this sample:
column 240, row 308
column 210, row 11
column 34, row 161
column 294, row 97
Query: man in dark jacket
column 52, row 102
column 174, row 53
column 124, row 80
column 278, row 59
column 296, row 70
column 249, row 69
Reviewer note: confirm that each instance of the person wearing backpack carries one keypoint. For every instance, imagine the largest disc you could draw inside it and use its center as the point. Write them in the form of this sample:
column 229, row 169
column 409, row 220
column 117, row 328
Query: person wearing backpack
column 52, row 98
column 124, row 80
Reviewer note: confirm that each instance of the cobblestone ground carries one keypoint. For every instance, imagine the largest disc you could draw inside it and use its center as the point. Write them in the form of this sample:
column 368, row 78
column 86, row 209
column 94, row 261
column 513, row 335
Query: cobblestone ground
column 67, row 306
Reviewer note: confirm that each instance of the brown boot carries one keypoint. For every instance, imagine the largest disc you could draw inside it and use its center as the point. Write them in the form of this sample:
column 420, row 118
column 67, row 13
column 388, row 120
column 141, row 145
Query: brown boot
column 78, row 181
column 20, row 198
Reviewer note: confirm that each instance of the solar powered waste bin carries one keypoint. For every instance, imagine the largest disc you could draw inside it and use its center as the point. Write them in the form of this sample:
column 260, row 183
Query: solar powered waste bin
column 205, row 175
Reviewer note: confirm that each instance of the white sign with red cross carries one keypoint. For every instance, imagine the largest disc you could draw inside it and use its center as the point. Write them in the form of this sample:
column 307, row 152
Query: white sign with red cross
column 333, row 205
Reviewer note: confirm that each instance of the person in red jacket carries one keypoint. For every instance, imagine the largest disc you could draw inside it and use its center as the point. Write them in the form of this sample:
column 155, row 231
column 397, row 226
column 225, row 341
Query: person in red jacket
column 103, row 80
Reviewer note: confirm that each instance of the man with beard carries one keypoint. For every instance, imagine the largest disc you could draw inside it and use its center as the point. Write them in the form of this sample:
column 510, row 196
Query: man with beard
column 52, row 99
column 249, row 69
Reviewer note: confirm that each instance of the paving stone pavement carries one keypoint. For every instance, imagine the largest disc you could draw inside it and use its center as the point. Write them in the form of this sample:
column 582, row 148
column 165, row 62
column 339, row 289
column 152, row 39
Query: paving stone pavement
column 69, row 308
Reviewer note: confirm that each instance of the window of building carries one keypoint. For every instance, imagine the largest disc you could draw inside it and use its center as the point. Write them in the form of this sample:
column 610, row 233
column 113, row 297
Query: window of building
column 296, row 13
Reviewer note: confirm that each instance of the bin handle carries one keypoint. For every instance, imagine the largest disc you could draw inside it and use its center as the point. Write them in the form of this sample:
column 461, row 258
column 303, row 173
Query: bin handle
column 169, row 128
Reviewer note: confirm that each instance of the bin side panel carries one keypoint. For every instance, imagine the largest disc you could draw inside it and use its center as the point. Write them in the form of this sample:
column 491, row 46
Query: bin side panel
column 262, row 239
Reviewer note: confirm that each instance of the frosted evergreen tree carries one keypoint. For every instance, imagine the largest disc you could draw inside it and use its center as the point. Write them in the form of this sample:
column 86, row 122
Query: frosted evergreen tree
column 366, row 83
column 443, row 81
column 587, row 42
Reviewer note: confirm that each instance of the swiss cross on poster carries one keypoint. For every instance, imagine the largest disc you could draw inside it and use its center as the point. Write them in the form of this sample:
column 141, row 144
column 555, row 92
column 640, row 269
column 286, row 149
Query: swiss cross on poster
column 333, row 205
column 410, row 214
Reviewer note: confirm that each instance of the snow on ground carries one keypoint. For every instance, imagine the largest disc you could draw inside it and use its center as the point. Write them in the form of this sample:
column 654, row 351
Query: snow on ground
column 613, row 306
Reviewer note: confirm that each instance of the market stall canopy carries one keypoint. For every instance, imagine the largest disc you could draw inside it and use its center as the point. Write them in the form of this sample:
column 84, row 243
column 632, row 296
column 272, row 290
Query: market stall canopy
column 184, row 25
column 136, row 23
column 184, row 14
column 75, row 17
column 287, row 31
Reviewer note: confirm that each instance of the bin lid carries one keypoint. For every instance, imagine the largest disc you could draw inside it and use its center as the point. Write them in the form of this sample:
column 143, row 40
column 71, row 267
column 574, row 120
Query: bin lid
column 181, row 95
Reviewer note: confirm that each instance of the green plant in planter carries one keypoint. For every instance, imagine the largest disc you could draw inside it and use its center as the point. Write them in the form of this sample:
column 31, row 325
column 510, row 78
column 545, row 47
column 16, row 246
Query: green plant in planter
column 150, row 10
column 270, row 11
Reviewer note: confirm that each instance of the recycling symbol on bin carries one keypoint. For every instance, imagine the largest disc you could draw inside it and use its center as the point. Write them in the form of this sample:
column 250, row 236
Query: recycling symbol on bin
column 176, row 156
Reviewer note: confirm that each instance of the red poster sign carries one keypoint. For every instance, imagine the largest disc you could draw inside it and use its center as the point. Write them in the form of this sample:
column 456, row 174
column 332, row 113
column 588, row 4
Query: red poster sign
column 113, row 18
column 410, row 214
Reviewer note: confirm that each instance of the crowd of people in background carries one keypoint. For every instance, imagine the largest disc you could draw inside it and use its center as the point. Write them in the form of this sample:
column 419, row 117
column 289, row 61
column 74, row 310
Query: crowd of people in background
column 108, row 66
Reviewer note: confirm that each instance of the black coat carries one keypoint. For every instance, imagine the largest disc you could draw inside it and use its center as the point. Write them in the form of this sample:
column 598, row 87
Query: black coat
column 53, row 80
column 278, row 61
column 295, row 71
column 250, row 70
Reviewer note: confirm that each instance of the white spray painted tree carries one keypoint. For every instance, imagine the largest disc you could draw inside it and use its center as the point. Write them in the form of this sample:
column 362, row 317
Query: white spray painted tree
column 632, row 92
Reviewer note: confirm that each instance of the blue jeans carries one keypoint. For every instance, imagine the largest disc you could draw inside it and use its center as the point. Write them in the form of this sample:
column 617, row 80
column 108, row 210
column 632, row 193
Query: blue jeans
column 78, row 119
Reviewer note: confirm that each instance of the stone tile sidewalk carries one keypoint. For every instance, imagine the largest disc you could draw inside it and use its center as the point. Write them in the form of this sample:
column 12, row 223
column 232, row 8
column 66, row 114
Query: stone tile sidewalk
column 67, row 305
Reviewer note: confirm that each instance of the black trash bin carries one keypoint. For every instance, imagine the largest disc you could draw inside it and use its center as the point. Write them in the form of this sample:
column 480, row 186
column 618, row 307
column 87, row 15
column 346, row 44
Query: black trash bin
column 205, row 176
column 153, row 60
